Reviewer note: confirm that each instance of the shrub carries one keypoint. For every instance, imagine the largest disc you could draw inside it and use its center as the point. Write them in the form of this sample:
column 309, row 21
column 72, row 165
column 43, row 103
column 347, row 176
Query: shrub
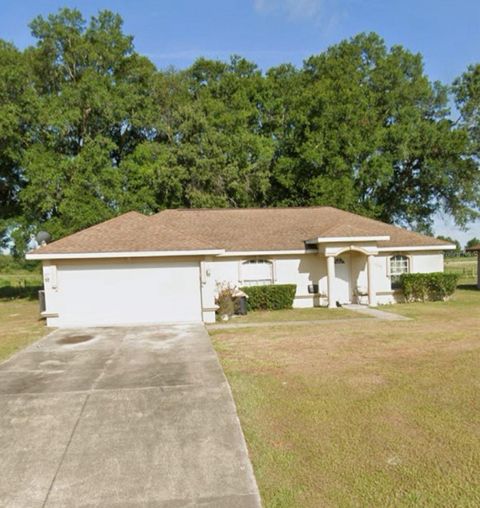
column 9, row 264
column 12, row 292
column 428, row 286
column 270, row 297
column 225, row 301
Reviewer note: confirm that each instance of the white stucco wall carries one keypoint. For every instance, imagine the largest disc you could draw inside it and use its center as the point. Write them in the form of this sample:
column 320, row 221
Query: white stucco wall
column 307, row 269
column 426, row 262
column 300, row 270
column 382, row 279
column 303, row 271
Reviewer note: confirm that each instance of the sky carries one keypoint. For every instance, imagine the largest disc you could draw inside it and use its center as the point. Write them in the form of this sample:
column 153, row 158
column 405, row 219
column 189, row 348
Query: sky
column 270, row 32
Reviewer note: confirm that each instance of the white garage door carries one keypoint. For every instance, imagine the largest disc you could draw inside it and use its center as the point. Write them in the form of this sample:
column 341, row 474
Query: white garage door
column 128, row 293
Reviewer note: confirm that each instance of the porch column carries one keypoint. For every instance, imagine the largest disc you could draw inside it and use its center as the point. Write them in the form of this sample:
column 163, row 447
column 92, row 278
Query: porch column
column 372, row 292
column 331, row 281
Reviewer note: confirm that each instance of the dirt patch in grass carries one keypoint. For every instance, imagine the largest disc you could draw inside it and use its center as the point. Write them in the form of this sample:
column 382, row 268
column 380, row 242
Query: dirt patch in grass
column 383, row 414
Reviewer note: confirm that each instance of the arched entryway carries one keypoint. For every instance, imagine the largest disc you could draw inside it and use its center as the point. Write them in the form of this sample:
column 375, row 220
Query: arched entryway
column 350, row 277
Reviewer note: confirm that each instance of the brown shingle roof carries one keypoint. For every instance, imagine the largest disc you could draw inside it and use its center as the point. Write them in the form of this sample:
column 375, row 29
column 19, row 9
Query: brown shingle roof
column 246, row 229
column 345, row 230
column 130, row 232
column 239, row 229
column 473, row 248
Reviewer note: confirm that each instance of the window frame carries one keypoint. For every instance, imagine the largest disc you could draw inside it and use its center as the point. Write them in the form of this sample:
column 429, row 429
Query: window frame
column 257, row 282
column 402, row 264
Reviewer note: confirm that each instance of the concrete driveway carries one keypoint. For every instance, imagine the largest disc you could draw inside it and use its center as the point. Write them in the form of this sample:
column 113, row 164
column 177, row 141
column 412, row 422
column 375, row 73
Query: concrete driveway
column 121, row 417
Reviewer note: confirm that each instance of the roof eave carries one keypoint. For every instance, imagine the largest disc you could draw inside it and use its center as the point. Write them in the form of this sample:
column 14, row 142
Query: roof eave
column 123, row 254
column 348, row 239
column 264, row 252
column 414, row 248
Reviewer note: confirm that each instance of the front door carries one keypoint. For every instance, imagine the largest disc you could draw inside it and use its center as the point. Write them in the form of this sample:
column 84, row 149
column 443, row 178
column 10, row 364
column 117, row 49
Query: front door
column 342, row 279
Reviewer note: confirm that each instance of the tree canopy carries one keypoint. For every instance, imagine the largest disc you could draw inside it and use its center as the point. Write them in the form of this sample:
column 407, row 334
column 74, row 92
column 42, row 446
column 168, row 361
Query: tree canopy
column 90, row 129
column 458, row 247
column 473, row 242
column 467, row 97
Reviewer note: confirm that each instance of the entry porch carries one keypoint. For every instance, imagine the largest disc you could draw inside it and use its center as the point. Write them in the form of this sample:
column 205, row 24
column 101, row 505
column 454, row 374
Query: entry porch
column 351, row 271
column 351, row 278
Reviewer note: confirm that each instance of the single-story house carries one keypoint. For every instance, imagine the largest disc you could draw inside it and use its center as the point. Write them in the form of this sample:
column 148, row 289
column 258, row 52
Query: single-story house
column 476, row 249
column 167, row 267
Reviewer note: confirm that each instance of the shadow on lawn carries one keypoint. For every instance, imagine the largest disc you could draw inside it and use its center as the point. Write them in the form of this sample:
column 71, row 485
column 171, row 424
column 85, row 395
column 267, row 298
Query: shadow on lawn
column 13, row 292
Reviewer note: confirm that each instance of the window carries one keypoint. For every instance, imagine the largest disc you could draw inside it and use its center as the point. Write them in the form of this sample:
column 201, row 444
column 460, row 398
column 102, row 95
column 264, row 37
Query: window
column 339, row 261
column 257, row 272
column 398, row 265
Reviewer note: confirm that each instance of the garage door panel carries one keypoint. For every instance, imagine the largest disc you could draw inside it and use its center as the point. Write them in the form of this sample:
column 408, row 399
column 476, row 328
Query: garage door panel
column 129, row 293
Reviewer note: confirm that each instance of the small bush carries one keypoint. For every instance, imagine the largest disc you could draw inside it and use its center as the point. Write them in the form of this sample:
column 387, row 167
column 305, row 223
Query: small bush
column 428, row 286
column 225, row 301
column 271, row 297
column 13, row 292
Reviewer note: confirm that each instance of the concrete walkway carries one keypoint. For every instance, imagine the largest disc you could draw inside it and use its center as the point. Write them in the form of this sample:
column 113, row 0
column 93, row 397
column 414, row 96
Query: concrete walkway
column 124, row 417
column 376, row 313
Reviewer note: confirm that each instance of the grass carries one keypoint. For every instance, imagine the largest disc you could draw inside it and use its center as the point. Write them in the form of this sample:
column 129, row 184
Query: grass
column 17, row 282
column 466, row 267
column 21, row 278
column 456, row 260
column 315, row 314
column 19, row 325
column 385, row 414
column 460, row 307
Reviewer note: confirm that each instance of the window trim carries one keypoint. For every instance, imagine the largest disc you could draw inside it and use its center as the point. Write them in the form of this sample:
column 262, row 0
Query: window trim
column 257, row 260
column 394, row 277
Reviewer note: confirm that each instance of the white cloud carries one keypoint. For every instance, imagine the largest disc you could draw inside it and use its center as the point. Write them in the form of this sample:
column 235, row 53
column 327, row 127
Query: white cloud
column 293, row 9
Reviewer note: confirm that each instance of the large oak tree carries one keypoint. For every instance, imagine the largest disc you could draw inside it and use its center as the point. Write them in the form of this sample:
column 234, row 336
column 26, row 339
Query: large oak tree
column 89, row 129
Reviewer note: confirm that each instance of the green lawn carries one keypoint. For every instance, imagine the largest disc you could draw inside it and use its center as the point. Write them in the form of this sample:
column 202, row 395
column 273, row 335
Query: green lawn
column 315, row 314
column 466, row 267
column 19, row 325
column 382, row 414
column 15, row 281
column 21, row 278
column 461, row 306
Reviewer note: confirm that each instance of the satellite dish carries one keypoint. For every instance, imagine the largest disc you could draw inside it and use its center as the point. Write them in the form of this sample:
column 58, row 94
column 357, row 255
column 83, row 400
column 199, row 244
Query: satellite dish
column 43, row 238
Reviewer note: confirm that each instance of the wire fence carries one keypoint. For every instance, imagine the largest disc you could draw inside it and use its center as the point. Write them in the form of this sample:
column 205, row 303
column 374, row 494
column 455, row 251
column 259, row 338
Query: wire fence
column 466, row 270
